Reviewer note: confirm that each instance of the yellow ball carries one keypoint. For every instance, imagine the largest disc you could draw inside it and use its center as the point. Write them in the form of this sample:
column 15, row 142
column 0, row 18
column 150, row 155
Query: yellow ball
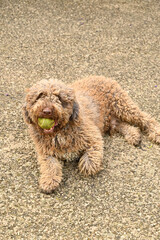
column 46, row 123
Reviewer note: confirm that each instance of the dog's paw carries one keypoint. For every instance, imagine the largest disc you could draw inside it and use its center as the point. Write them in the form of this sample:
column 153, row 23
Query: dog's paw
column 48, row 184
column 154, row 135
column 88, row 166
column 133, row 136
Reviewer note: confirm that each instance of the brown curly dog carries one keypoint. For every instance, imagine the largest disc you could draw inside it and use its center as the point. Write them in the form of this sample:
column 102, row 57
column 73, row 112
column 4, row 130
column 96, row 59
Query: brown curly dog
column 83, row 112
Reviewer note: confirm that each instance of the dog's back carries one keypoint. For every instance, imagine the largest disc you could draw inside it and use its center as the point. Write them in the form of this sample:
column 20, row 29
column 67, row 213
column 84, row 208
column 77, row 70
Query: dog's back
column 95, row 93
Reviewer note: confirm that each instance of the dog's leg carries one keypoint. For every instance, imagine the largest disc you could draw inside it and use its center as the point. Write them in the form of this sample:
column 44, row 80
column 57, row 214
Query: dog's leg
column 51, row 173
column 125, row 109
column 91, row 161
column 131, row 134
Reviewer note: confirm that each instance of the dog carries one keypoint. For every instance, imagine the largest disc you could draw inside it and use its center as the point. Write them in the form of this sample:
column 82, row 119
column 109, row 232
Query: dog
column 83, row 112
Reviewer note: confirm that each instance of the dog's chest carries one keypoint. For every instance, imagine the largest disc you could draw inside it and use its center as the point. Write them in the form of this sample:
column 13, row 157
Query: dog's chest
column 65, row 147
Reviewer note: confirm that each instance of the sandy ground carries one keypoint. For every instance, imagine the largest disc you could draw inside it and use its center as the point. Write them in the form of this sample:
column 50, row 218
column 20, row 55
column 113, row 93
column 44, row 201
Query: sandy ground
column 69, row 40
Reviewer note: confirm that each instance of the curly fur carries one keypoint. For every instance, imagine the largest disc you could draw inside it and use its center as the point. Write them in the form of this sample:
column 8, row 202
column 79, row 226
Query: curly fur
column 83, row 112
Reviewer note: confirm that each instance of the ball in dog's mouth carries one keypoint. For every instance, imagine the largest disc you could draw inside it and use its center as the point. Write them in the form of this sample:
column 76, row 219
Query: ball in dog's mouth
column 47, row 124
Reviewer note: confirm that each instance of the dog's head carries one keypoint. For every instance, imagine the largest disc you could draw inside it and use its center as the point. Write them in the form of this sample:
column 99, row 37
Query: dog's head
column 50, row 99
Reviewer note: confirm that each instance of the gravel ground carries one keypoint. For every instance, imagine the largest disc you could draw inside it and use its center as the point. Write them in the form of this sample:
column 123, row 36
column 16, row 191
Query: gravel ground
column 69, row 40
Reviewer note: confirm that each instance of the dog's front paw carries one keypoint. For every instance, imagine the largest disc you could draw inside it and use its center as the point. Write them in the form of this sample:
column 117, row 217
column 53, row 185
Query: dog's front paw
column 89, row 166
column 49, row 184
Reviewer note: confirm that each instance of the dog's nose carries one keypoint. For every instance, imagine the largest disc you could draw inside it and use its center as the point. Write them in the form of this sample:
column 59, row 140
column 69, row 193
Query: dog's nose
column 47, row 111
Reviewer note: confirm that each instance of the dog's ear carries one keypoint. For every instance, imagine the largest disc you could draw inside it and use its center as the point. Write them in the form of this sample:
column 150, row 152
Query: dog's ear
column 26, row 115
column 75, row 112
column 66, row 97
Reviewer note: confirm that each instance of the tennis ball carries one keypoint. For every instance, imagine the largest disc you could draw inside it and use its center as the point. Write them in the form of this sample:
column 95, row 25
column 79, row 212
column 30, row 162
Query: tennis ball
column 46, row 123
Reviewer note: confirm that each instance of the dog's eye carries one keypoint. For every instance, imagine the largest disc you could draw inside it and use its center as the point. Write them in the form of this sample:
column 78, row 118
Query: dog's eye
column 39, row 96
column 64, row 103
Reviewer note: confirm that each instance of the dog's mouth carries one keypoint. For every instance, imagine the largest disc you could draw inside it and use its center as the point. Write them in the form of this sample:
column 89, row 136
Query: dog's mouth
column 47, row 124
column 51, row 130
